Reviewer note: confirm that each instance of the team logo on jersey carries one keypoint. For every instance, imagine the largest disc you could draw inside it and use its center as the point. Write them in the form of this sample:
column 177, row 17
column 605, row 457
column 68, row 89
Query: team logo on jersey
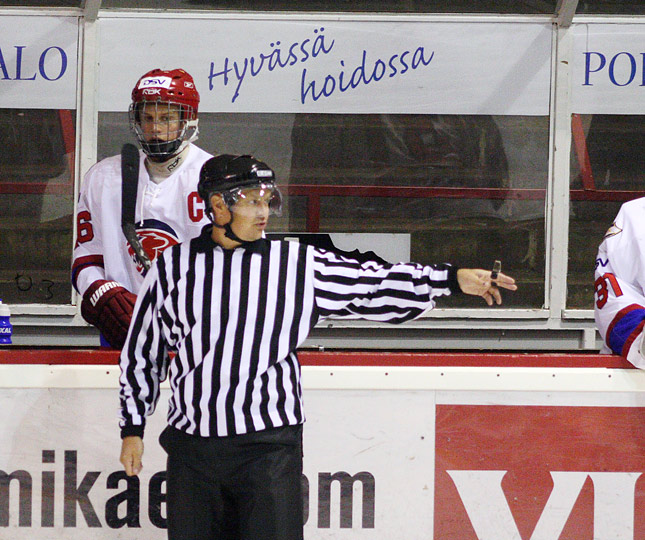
column 612, row 231
column 155, row 236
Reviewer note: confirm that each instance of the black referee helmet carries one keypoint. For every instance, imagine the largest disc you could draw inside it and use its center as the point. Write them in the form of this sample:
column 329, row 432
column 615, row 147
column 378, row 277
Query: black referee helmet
column 229, row 175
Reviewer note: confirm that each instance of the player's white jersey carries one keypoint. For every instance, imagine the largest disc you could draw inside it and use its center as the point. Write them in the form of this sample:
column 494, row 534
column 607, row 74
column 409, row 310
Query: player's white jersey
column 165, row 214
column 620, row 284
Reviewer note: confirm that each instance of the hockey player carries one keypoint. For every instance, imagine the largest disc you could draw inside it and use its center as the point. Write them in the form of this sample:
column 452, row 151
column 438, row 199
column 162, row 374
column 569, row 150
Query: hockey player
column 105, row 271
column 620, row 285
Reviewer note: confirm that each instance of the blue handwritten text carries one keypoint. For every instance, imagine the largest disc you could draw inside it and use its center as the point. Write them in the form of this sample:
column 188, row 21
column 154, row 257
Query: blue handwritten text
column 278, row 57
column 363, row 74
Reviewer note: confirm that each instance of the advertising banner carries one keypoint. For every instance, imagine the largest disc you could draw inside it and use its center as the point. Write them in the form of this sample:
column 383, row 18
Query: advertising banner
column 539, row 472
column 38, row 62
column 477, row 448
column 342, row 65
column 608, row 69
column 368, row 467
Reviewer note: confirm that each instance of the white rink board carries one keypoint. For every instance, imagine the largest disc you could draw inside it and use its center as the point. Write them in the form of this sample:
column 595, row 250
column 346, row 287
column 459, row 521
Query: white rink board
column 376, row 424
column 353, row 432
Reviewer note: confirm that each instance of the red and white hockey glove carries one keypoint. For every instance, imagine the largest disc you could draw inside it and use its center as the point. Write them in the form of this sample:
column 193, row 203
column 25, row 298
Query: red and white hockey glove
column 108, row 306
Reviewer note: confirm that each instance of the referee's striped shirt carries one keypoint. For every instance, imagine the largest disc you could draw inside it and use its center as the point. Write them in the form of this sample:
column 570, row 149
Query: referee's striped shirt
column 234, row 318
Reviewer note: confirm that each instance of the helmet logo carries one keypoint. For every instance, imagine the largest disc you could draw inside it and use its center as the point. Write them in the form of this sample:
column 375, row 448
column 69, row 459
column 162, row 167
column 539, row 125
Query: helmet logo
column 188, row 84
column 161, row 82
column 152, row 92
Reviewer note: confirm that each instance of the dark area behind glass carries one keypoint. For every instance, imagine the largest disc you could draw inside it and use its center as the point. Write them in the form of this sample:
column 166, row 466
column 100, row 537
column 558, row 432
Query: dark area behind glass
column 42, row 3
column 520, row 7
column 459, row 153
column 545, row 7
column 37, row 199
column 367, row 6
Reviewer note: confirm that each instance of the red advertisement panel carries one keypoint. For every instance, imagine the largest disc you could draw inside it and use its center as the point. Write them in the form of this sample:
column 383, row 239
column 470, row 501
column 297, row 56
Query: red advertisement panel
column 539, row 473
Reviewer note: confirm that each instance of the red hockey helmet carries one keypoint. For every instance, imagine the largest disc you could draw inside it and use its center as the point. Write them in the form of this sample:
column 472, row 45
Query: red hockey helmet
column 173, row 86
column 165, row 90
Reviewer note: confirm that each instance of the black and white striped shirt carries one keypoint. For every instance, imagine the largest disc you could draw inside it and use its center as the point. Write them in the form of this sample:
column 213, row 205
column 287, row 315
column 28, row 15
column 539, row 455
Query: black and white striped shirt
column 235, row 318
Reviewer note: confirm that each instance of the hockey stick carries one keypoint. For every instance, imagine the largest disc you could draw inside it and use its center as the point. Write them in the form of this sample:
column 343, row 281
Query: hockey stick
column 129, row 181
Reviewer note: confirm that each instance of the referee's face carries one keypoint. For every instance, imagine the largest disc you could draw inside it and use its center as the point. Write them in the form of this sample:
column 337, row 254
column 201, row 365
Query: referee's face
column 251, row 213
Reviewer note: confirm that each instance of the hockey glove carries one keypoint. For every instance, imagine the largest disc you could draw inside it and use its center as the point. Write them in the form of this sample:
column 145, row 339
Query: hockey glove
column 108, row 306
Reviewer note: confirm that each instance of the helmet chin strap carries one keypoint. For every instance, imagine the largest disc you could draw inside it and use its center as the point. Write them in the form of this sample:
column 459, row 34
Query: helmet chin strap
column 228, row 232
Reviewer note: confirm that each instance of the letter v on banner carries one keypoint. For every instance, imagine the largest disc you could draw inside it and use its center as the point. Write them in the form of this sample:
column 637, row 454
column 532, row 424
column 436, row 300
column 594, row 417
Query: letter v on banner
column 491, row 517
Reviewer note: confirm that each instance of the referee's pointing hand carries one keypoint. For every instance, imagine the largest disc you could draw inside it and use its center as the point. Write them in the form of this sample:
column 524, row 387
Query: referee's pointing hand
column 479, row 283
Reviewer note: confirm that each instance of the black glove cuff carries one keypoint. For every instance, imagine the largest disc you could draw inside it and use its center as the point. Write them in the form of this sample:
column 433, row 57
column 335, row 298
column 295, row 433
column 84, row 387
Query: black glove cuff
column 453, row 284
column 132, row 431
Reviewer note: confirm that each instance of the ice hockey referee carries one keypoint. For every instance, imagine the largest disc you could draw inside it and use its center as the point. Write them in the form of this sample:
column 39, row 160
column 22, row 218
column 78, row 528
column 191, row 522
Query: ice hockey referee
column 233, row 307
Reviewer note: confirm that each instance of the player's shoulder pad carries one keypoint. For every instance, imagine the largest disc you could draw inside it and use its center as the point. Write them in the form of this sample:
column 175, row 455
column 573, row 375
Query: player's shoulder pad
column 197, row 156
column 632, row 214
column 632, row 209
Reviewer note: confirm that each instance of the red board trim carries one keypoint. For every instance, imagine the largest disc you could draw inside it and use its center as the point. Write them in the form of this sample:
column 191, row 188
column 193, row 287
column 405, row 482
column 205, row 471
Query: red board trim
column 101, row 356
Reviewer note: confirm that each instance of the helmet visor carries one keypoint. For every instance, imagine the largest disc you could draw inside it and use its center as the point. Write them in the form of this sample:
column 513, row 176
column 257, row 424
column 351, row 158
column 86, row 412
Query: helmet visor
column 254, row 198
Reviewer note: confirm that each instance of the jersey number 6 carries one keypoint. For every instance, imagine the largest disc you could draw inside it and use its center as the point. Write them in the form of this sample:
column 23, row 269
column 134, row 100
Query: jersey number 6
column 602, row 292
column 84, row 231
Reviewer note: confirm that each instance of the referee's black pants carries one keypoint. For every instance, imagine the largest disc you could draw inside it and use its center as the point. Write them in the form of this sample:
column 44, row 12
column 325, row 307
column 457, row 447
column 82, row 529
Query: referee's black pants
column 244, row 487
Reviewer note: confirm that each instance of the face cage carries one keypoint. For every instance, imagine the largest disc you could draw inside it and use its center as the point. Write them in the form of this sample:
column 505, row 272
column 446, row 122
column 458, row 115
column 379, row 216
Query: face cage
column 157, row 149
column 233, row 196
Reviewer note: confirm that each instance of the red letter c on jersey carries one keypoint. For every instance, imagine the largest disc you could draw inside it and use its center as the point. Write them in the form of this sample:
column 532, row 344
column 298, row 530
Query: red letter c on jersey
column 195, row 207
